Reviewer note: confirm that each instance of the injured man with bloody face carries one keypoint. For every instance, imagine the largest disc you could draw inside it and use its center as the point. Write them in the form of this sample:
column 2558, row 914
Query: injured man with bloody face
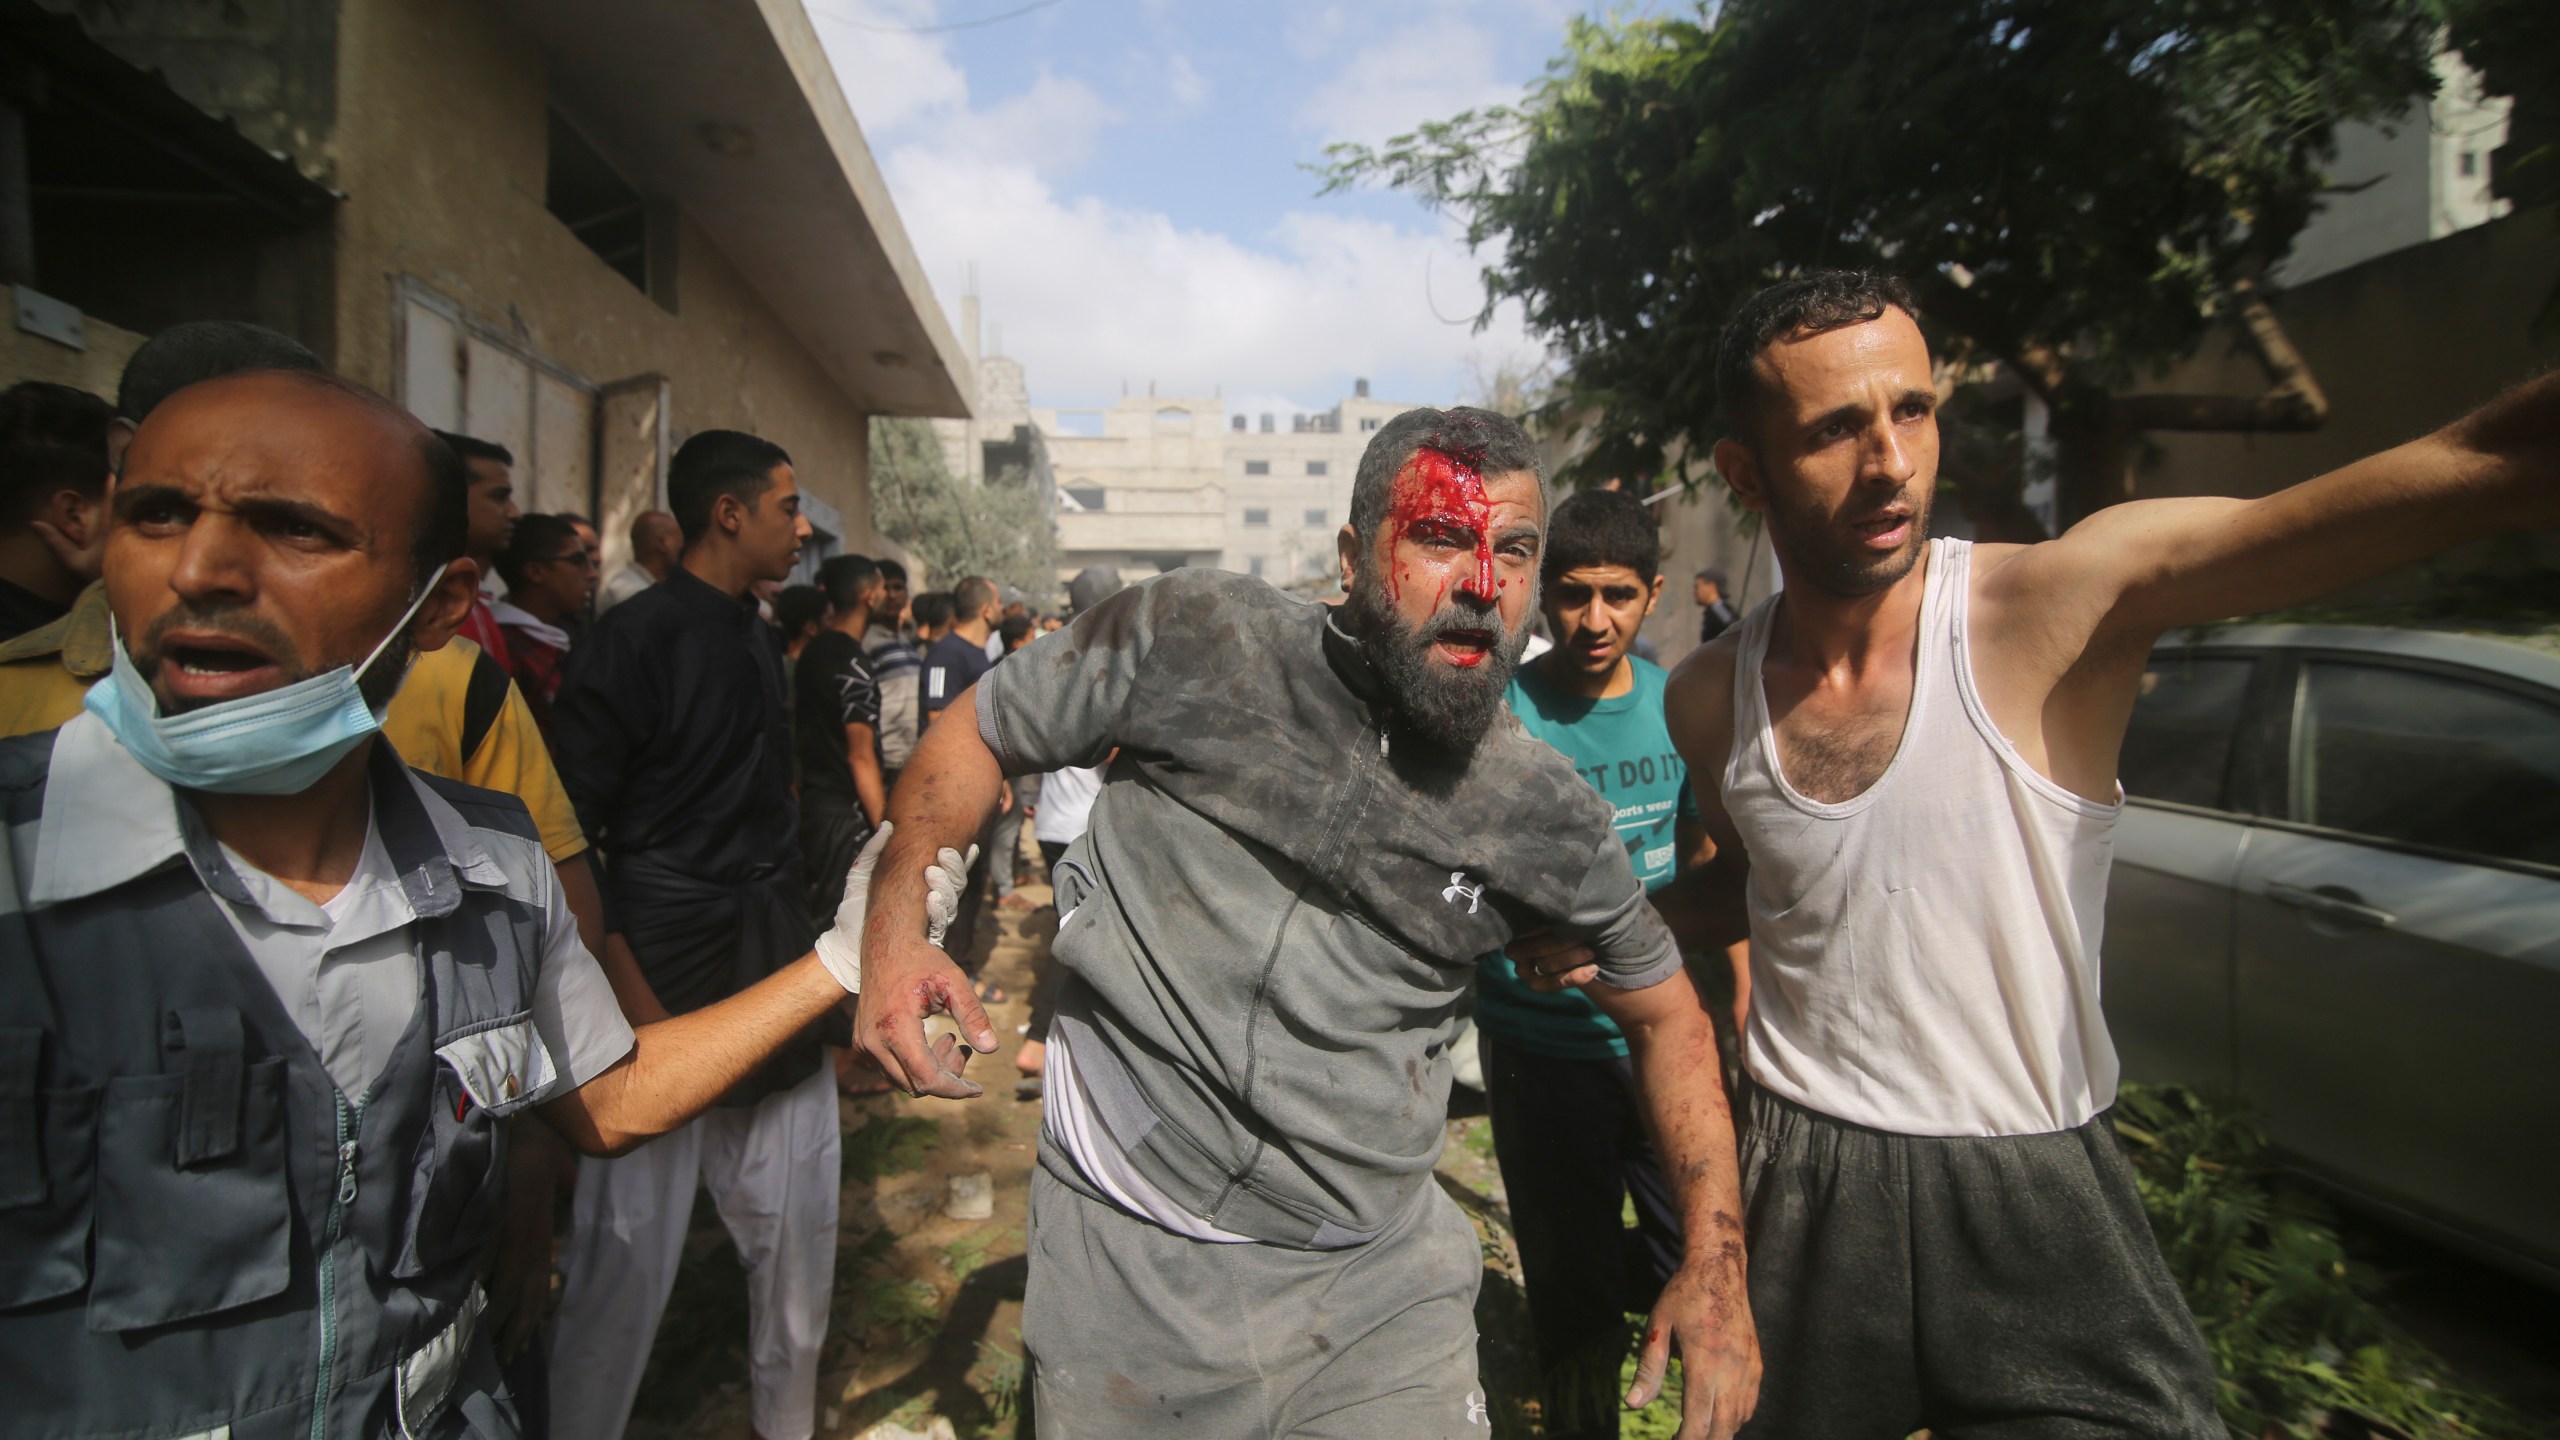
column 1316, row 822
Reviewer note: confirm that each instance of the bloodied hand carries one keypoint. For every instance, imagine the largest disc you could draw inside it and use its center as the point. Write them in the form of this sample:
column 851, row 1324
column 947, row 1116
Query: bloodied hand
column 1440, row 596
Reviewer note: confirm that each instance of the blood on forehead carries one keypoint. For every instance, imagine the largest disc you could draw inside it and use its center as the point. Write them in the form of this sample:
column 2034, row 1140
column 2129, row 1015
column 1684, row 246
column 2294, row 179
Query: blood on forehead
column 1436, row 487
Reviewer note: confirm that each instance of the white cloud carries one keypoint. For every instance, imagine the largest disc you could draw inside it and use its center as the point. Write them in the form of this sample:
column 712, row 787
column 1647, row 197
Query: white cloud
column 1050, row 128
column 891, row 75
column 1091, row 293
column 1428, row 70
column 1183, row 81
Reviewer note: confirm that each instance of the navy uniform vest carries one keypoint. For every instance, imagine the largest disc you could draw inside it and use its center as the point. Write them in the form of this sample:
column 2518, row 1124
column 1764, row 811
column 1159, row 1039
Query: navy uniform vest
column 199, row 1233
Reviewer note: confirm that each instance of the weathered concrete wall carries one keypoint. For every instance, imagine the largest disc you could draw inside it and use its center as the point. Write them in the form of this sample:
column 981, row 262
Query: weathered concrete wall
column 96, row 369
column 1699, row 530
column 444, row 164
column 2403, row 344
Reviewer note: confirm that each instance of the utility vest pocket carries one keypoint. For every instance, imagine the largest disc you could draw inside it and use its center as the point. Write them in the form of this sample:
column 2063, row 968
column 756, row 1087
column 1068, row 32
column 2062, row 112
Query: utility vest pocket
column 457, row 1175
column 48, row 1151
column 194, row 1201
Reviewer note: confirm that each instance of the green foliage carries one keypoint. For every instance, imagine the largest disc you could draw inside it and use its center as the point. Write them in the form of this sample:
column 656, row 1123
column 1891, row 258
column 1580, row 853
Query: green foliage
column 2288, row 1315
column 889, row 1145
column 967, row 1256
column 908, row 1309
column 1002, row 1372
column 2081, row 179
column 956, row 528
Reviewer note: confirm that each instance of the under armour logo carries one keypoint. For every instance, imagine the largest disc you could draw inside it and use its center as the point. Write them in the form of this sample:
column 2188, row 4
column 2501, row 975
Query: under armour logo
column 1477, row 1414
column 1458, row 886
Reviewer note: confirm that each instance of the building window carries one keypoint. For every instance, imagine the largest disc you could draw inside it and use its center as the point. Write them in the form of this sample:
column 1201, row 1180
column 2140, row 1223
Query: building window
column 1257, row 518
column 584, row 192
column 1087, row 496
column 1315, row 519
column 1254, row 567
column 2470, row 164
column 1316, row 467
column 1240, row 422
column 1368, row 422
column 1257, row 467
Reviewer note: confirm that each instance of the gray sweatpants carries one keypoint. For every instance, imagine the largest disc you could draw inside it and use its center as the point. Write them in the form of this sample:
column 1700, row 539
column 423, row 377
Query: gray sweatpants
column 1135, row 1332
column 2003, row 1286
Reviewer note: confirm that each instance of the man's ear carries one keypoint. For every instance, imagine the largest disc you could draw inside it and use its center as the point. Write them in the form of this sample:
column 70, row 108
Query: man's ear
column 447, row 604
column 1653, row 597
column 1741, row 471
column 80, row 518
column 729, row 514
column 119, row 435
column 1346, row 544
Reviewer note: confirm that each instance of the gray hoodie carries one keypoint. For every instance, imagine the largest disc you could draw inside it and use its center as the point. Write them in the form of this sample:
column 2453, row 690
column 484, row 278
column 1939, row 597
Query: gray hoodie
column 1275, row 910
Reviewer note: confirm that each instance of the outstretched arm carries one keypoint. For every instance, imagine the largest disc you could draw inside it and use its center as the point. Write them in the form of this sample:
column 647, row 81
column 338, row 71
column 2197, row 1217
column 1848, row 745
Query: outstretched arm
column 1705, row 1310
column 678, row 1067
column 944, row 797
column 2156, row 565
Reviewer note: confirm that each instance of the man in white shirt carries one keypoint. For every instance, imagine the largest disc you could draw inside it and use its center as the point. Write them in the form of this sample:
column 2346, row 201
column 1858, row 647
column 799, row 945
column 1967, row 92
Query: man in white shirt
column 657, row 547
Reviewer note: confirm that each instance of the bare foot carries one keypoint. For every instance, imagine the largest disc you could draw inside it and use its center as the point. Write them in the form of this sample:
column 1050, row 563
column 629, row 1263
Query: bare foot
column 1033, row 1055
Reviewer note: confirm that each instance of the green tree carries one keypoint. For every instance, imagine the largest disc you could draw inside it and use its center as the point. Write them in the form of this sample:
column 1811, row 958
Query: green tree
column 957, row 529
column 2077, row 188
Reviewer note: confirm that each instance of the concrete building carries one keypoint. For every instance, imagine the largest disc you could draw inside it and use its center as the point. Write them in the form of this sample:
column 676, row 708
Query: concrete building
column 582, row 229
column 997, row 440
column 1141, row 486
column 1289, row 489
column 2423, row 178
column 1156, row 483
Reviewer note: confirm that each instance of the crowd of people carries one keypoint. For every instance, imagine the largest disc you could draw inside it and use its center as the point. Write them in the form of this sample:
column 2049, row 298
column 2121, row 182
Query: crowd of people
column 376, row 870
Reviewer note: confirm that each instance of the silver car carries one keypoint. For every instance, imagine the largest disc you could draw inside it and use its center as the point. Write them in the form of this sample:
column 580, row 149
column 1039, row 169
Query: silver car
column 2336, row 896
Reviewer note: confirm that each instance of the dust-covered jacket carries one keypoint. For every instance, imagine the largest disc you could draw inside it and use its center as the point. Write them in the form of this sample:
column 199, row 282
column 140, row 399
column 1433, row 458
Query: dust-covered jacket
column 1279, row 905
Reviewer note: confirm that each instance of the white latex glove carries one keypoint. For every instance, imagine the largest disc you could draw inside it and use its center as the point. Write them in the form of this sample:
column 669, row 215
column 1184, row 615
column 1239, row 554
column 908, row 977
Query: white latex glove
column 943, row 883
column 840, row 949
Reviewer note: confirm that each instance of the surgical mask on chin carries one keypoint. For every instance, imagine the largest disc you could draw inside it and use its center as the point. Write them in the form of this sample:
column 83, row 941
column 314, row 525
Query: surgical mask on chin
column 278, row 742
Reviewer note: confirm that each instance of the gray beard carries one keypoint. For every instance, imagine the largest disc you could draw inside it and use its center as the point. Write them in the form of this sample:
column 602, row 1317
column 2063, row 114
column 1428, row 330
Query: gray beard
column 1447, row 713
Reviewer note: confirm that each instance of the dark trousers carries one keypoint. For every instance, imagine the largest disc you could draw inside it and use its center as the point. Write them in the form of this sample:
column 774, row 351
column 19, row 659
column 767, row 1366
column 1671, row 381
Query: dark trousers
column 1996, row 1286
column 1570, row 1138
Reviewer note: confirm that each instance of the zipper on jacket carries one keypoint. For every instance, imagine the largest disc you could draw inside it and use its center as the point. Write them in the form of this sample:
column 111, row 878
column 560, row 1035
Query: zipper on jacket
column 340, row 1198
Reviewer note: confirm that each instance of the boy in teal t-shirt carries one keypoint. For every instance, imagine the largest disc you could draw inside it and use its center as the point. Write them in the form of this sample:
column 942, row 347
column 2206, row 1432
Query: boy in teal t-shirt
column 1621, row 746
column 1568, row 1129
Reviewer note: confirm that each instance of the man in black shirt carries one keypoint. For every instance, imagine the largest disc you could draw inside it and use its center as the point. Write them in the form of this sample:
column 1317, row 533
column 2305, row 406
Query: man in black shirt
column 959, row 656
column 952, row 664
column 836, row 724
column 675, row 746
column 1715, row 613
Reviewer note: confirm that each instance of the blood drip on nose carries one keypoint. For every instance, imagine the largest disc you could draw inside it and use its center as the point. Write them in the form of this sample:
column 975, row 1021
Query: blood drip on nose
column 1436, row 487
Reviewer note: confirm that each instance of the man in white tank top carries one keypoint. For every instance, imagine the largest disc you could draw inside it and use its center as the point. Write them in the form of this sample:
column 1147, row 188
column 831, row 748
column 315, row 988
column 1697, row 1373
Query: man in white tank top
column 1908, row 764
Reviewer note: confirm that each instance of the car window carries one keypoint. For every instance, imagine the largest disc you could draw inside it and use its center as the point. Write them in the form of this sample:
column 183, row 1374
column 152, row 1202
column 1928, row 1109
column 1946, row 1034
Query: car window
column 2428, row 759
column 2184, row 722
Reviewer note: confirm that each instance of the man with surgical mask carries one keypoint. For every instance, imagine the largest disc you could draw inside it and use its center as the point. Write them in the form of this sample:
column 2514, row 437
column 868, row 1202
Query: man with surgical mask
column 270, row 994
column 1316, row 822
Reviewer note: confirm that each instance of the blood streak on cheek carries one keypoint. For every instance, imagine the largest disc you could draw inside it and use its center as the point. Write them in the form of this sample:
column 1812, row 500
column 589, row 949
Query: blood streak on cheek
column 1437, row 487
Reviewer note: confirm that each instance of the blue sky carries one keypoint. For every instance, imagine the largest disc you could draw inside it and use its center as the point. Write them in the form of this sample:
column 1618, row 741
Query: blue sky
column 1125, row 176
